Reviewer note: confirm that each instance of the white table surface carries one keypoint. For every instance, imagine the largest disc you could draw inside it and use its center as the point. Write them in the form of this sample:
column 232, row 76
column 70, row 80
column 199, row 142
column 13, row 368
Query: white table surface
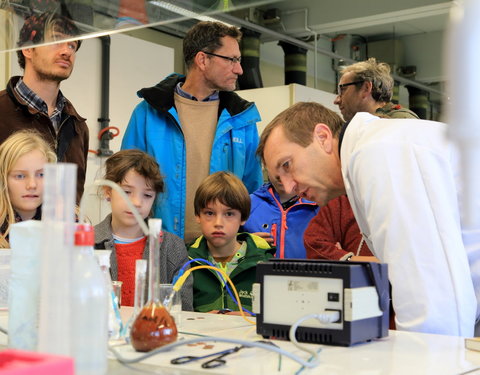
column 400, row 353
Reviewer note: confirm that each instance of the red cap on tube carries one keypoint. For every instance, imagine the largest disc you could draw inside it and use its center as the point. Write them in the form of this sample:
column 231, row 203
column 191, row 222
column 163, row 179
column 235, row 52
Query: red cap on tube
column 84, row 235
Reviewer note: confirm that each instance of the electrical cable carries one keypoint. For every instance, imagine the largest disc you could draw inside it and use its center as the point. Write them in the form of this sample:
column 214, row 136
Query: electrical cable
column 327, row 317
column 181, row 280
column 168, row 347
column 299, row 371
column 182, row 270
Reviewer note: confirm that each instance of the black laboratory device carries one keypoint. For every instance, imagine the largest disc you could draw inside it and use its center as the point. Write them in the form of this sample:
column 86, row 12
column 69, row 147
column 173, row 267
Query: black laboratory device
column 289, row 289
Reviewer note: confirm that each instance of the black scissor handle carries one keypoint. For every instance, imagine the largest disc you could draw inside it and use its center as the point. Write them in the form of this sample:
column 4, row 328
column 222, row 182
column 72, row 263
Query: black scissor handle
column 184, row 359
column 216, row 362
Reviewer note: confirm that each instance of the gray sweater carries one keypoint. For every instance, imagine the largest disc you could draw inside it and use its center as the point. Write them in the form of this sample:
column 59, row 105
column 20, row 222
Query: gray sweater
column 173, row 255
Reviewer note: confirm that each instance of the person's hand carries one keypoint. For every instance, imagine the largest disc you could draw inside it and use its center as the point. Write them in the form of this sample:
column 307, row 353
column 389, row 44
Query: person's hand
column 266, row 236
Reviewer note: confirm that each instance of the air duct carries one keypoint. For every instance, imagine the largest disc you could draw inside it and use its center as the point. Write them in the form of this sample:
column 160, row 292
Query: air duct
column 250, row 47
column 295, row 63
column 396, row 93
column 418, row 101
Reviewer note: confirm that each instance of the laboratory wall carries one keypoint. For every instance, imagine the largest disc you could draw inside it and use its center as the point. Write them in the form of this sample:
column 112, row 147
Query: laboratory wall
column 425, row 51
column 272, row 100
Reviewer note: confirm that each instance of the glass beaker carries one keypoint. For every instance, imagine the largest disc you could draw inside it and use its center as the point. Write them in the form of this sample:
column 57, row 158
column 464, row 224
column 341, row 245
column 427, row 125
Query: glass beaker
column 154, row 326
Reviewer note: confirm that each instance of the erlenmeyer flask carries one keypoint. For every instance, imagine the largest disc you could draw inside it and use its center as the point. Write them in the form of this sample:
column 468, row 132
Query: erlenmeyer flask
column 154, row 326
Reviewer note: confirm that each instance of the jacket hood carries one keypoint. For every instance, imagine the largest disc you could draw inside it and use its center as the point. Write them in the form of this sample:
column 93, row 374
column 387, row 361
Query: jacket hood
column 161, row 96
column 263, row 193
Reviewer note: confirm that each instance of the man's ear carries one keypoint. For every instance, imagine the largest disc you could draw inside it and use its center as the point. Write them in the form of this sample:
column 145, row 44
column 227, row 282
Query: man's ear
column 27, row 53
column 197, row 219
column 323, row 136
column 200, row 60
column 367, row 87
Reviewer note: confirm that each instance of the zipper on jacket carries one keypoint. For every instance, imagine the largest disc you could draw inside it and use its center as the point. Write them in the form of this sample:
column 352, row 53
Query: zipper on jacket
column 283, row 226
column 57, row 132
column 273, row 233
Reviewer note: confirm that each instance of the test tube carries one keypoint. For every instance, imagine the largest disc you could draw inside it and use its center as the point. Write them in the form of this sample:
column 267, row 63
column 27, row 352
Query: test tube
column 139, row 301
column 155, row 240
column 58, row 212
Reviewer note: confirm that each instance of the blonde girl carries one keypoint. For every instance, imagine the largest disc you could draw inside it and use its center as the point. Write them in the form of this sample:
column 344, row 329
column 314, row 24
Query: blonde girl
column 22, row 158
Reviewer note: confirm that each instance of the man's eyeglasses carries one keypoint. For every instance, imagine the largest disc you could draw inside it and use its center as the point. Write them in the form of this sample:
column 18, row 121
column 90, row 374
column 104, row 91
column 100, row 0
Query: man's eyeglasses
column 233, row 60
column 341, row 88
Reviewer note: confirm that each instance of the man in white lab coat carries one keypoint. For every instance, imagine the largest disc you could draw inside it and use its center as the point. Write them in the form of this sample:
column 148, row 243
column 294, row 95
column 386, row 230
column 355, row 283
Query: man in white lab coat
column 400, row 178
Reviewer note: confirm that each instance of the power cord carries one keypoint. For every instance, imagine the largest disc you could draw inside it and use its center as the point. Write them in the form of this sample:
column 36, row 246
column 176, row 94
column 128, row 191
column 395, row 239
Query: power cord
column 166, row 348
column 326, row 317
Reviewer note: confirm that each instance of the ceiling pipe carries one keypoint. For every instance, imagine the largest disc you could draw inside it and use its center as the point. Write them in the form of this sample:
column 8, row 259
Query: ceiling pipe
column 315, row 35
column 278, row 36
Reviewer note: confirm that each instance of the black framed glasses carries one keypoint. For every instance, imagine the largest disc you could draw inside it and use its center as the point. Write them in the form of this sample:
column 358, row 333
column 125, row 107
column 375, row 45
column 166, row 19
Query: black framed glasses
column 341, row 88
column 233, row 60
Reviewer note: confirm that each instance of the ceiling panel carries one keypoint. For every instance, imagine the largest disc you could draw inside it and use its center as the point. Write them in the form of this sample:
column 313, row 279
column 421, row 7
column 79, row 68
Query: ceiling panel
column 368, row 18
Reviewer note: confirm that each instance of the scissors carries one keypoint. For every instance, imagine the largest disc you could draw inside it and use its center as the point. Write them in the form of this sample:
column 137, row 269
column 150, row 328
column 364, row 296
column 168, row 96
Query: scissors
column 215, row 362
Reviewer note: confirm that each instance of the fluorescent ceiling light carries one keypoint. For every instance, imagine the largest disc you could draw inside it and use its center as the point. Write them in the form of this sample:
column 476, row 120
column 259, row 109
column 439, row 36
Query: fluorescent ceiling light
column 183, row 12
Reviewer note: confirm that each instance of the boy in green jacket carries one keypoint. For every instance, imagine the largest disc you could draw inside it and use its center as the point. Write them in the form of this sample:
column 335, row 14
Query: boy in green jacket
column 222, row 204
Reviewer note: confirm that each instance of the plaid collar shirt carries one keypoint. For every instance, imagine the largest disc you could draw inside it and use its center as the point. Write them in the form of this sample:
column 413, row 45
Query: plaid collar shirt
column 34, row 101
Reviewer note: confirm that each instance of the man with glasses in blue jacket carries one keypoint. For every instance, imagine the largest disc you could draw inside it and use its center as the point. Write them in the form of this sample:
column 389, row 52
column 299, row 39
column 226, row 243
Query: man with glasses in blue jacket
column 196, row 125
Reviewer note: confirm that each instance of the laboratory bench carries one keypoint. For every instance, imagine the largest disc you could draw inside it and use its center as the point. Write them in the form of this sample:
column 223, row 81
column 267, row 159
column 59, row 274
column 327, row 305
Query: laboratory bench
column 399, row 353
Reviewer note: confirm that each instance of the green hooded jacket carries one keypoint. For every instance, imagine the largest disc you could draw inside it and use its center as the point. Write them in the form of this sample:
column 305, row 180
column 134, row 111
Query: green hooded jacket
column 395, row 111
column 208, row 291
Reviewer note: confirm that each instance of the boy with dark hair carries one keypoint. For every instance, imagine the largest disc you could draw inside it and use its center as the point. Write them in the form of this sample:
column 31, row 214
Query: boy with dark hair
column 222, row 204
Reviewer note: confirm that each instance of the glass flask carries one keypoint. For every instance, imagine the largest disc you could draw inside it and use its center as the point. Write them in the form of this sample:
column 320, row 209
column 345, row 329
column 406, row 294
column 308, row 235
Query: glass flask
column 154, row 326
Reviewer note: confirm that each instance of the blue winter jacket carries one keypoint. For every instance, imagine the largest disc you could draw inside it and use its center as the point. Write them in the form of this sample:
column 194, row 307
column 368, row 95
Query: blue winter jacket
column 285, row 226
column 154, row 128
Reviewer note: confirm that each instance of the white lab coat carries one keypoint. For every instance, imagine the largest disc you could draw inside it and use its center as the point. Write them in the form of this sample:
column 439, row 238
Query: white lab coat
column 401, row 179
